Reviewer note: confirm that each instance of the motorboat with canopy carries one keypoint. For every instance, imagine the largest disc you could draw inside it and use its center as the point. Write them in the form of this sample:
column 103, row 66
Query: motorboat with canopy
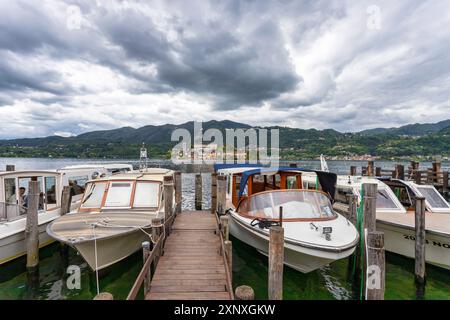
column 315, row 235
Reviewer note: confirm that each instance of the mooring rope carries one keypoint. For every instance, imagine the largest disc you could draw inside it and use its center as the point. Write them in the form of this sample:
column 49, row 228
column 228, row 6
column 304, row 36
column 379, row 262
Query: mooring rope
column 96, row 259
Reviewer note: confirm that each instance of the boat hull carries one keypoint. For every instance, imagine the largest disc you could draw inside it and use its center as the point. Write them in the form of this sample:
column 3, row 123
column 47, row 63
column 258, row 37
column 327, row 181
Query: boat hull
column 401, row 240
column 14, row 246
column 295, row 256
column 111, row 250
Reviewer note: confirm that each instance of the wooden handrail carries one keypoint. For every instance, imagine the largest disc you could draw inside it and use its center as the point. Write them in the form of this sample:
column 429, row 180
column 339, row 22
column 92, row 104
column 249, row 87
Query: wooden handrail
column 227, row 269
column 140, row 279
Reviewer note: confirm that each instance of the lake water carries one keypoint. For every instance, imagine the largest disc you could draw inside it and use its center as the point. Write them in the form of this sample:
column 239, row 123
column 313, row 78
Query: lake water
column 249, row 267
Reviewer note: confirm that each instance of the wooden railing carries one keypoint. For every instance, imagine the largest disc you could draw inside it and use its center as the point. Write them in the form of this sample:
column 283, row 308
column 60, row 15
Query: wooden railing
column 226, row 250
column 146, row 271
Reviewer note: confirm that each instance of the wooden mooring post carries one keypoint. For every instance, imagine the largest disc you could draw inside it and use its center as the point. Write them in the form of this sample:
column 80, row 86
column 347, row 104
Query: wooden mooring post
column 10, row 167
column 32, row 226
column 224, row 225
column 370, row 168
column 221, row 194
column 168, row 200
column 198, row 191
column 244, row 293
column 66, row 200
column 276, row 259
column 375, row 273
column 157, row 232
column 145, row 254
column 213, row 192
column 178, row 191
column 352, row 208
column 368, row 224
column 399, row 172
column 104, row 296
column 353, row 170
column 420, row 241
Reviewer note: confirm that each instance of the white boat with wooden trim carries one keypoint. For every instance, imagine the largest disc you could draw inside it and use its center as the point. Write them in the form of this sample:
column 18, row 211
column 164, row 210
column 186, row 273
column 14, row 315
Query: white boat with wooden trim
column 315, row 235
column 114, row 216
column 13, row 209
column 13, row 206
column 395, row 215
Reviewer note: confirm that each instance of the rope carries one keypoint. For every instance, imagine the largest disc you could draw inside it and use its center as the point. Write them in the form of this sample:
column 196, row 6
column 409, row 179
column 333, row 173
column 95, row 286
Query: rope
column 263, row 223
column 96, row 259
column 360, row 226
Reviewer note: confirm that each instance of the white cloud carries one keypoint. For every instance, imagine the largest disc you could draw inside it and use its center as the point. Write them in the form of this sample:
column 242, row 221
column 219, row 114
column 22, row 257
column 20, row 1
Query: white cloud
column 297, row 63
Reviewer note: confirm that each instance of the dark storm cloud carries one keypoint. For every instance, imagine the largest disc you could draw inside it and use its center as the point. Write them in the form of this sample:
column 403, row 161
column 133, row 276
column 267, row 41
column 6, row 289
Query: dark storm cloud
column 213, row 61
column 313, row 63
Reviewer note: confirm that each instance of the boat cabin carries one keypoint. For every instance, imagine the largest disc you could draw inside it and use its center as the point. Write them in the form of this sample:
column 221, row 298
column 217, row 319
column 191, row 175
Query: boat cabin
column 258, row 192
column 407, row 191
column 352, row 185
column 14, row 192
column 131, row 191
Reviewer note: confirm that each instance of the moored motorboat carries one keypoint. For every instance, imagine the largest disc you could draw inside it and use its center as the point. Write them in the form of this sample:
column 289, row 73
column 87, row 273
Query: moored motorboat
column 114, row 216
column 14, row 206
column 314, row 234
column 395, row 215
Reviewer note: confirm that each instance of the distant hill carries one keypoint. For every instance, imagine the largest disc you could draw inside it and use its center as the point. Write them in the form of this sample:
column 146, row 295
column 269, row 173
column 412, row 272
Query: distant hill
column 416, row 129
column 416, row 140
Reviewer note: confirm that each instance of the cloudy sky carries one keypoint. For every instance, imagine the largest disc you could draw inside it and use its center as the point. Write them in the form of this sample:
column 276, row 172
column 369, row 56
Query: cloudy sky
column 68, row 67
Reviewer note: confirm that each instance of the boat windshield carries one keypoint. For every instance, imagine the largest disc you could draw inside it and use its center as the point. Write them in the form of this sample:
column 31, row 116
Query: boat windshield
column 297, row 205
column 93, row 195
column 385, row 201
column 433, row 197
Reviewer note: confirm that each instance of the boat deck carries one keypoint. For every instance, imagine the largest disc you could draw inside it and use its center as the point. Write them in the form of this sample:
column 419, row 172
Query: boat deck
column 192, row 266
column 434, row 222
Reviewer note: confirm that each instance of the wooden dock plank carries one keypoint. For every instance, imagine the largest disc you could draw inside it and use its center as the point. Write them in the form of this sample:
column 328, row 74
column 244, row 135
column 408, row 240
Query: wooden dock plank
column 191, row 267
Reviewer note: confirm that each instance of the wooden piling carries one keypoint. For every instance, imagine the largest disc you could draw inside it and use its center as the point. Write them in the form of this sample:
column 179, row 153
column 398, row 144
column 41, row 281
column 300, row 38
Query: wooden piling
column 378, row 172
column 375, row 272
column 370, row 205
column 168, row 198
column 420, row 242
column 370, row 166
column 244, row 293
column 276, row 259
column 352, row 208
column 229, row 255
column 224, row 222
column 445, row 183
column 213, row 192
column 221, row 194
column 157, row 232
column 66, row 200
column 400, row 172
column 198, row 191
column 32, row 226
column 353, row 170
column 10, row 167
column 178, row 191
column 145, row 254
column 104, row 296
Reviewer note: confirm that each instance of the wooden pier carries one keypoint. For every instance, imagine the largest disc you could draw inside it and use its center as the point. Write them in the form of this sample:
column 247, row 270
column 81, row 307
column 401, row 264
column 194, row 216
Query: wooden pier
column 188, row 256
column 192, row 266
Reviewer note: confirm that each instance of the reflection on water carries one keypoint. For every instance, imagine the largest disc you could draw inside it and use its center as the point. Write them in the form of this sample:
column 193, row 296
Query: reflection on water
column 249, row 267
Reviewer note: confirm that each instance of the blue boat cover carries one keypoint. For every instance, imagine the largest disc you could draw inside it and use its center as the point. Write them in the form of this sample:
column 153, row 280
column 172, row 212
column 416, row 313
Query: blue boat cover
column 326, row 179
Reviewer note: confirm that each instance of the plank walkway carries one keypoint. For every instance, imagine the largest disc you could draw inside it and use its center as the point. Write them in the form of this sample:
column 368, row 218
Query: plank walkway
column 191, row 267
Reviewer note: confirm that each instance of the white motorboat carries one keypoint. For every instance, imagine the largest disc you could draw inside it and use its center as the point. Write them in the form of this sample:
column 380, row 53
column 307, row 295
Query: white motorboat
column 395, row 215
column 114, row 216
column 13, row 206
column 315, row 235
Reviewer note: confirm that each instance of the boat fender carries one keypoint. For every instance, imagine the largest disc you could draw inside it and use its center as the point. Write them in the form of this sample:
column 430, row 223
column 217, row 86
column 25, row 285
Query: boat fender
column 264, row 223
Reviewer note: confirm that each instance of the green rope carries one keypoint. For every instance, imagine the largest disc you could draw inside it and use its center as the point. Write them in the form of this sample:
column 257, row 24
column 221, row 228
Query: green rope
column 360, row 227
